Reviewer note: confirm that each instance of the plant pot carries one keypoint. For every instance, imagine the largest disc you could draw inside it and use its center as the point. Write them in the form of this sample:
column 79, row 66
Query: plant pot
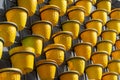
column 100, row 57
column 76, row 10
column 83, row 49
column 10, row 74
column 55, row 52
column 62, row 4
column 69, row 75
column 109, row 35
column 89, row 35
column 50, row 13
column 46, row 69
column 70, row 2
column 72, row 26
column 30, row 5
column 77, row 64
column 8, row 32
column 105, row 45
column 95, row 24
column 110, row 76
column 1, row 47
column 87, row 4
column 115, row 13
column 100, row 14
column 43, row 28
column 104, row 4
column 20, row 18
column 63, row 37
column 117, row 44
column 40, row 1
column 94, row 71
column 35, row 42
column 116, row 54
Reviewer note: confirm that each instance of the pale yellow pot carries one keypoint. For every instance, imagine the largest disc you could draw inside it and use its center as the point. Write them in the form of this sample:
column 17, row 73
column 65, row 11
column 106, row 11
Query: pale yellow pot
column 1, row 47
column 43, row 28
column 94, row 71
column 115, row 13
column 110, row 76
column 89, row 35
column 100, row 57
column 10, row 74
column 83, row 49
column 40, row 1
column 109, row 35
column 95, row 24
column 115, row 54
column 8, row 32
column 30, row 5
column 77, row 64
column 63, row 37
column 76, row 10
column 87, row 4
column 72, row 26
column 50, row 13
column 117, row 44
column 20, row 18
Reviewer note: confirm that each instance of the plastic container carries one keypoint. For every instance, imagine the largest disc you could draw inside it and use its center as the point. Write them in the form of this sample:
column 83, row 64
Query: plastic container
column 117, row 44
column 1, row 47
column 110, row 76
column 40, row 1
column 115, row 54
column 115, row 13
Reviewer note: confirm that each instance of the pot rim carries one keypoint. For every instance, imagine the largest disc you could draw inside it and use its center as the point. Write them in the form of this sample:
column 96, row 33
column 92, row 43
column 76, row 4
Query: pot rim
column 111, row 21
column 94, row 65
column 84, row 0
column 110, row 30
column 69, row 21
column 1, row 39
column 100, row 52
column 108, row 41
column 110, row 73
column 97, row 20
column 113, row 61
column 76, row 57
column 113, row 10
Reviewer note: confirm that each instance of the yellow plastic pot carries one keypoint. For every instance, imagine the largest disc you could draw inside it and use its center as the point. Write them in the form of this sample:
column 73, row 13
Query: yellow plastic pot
column 100, row 14
column 69, row 75
column 89, row 35
column 83, row 49
column 76, row 10
column 77, row 64
column 43, row 28
column 10, row 74
column 115, row 13
column 62, row 4
column 20, row 18
column 110, row 76
column 104, row 4
column 1, row 47
column 116, row 54
column 69, row 2
column 114, row 66
column 46, row 69
column 105, row 45
column 50, row 13
column 100, row 57
column 114, row 24
column 72, row 26
column 95, row 24
column 55, row 52
column 87, row 4
column 109, row 35
column 63, row 37
column 94, row 71
column 30, row 5
column 8, row 32
column 40, row 1
column 35, row 42
column 117, row 44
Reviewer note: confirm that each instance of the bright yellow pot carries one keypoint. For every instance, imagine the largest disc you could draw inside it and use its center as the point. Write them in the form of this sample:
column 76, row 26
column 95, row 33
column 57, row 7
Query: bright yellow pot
column 114, row 66
column 55, row 52
column 1, row 47
column 10, row 74
column 77, row 64
column 83, row 49
column 100, row 14
column 46, row 69
column 76, row 10
column 20, row 18
column 100, row 57
column 95, row 24
column 8, row 32
column 87, row 4
column 94, row 71
column 110, row 76
column 69, row 75
column 30, row 5
column 114, row 24
column 72, row 26
column 62, row 4
column 70, row 2
column 115, row 13
column 50, row 13
column 89, row 35
column 104, row 4
column 40, row 1
column 117, row 44
column 105, row 45
column 109, row 35
column 63, row 37
column 35, row 42
column 116, row 54
column 43, row 28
